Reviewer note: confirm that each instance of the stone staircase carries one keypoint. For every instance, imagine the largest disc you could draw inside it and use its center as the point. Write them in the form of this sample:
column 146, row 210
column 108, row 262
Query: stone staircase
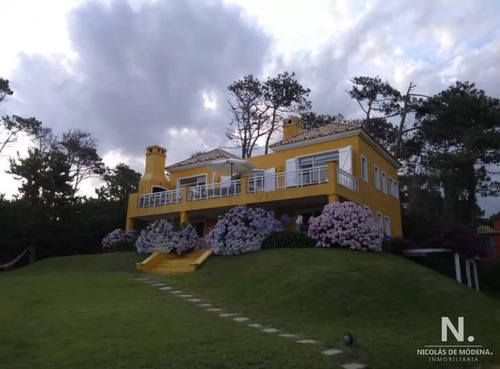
column 163, row 263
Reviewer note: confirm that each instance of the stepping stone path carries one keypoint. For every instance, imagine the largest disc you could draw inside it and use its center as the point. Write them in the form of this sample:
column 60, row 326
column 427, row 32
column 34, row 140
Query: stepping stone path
column 289, row 335
column 236, row 318
column 255, row 325
column 331, row 352
column 353, row 366
column 307, row 341
column 270, row 330
column 241, row 319
column 225, row 315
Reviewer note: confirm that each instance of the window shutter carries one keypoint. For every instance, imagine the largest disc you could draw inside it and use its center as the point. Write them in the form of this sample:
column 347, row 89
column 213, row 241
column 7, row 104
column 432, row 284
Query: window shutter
column 269, row 183
column 291, row 172
column 345, row 159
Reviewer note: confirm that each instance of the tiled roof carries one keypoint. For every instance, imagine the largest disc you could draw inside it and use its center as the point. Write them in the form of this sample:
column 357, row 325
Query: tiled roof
column 323, row 131
column 205, row 157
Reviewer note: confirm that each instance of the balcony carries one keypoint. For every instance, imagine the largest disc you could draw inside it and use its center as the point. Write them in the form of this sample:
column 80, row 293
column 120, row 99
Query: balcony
column 323, row 180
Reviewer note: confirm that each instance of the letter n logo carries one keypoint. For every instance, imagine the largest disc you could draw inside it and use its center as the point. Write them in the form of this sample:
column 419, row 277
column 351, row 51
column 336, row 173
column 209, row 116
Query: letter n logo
column 458, row 333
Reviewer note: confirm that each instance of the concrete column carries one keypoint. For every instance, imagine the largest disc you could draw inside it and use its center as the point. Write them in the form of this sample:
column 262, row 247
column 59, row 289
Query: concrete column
column 476, row 278
column 129, row 224
column 244, row 185
column 185, row 193
column 467, row 273
column 458, row 272
column 184, row 217
column 333, row 198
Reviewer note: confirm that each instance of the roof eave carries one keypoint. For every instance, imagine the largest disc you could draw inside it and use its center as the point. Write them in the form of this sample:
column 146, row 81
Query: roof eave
column 327, row 138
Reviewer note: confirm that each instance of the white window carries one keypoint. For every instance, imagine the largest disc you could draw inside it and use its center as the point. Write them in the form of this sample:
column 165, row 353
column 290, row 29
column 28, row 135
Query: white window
column 384, row 182
column 387, row 225
column 367, row 207
column 376, row 172
column 309, row 164
column 380, row 220
column 393, row 187
column 364, row 168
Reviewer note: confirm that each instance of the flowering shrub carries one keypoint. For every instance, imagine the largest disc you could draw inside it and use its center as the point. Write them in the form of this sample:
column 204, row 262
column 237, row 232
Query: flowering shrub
column 241, row 230
column 397, row 245
column 160, row 236
column 458, row 239
column 345, row 224
column 119, row 240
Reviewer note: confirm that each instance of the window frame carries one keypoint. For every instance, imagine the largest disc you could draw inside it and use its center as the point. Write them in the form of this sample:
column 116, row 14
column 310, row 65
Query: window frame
column 380, row 220
column 376, row 174
column 364, row 169
column 384, row 182
column 387, row 225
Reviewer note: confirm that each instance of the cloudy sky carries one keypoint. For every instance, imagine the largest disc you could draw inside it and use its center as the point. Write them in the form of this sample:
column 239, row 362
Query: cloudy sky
column 138, row 73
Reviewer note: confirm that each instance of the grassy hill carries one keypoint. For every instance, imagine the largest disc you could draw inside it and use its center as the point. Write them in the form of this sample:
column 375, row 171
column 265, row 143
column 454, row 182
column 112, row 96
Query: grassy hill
column 88, row 312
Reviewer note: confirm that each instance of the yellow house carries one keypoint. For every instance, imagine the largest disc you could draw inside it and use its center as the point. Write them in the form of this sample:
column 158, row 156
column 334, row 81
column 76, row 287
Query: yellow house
column 305, row 171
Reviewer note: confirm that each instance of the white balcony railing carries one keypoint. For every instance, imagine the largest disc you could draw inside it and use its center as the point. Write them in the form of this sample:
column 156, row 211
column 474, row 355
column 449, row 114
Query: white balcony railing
column 299, row 178
column 160, row 198
column 256, row 184
column 215, row 190
column 347, row 180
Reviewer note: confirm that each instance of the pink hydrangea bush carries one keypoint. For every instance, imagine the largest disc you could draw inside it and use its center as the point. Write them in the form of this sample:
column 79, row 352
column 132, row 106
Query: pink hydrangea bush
column 119, row 240
column 161, row 236
column 346, row 224
column 241, row 230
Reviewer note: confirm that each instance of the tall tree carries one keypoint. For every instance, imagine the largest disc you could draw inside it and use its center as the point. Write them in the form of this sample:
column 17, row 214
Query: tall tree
column 80, row 149
column 245, row 107
column 460, row 137
column 45, row 187
column 313, row 120
column 119, row 182
column 257, row 108
column 283, row 95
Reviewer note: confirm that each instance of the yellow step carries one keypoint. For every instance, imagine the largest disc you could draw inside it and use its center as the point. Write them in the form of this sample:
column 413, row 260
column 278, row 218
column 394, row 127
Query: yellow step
column 163, row 263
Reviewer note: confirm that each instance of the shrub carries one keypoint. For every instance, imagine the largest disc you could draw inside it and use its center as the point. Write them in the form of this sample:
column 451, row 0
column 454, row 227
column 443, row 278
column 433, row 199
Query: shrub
column 161, row 236
column 397, row 245
column 287, row 239
column 345, row 224
column 490, row 274
column 458, row 239
column 119, row 240
column 241, row 230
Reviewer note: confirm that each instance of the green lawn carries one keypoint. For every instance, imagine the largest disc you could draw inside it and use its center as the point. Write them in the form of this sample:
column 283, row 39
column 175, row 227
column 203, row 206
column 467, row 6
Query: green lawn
column 89, row 312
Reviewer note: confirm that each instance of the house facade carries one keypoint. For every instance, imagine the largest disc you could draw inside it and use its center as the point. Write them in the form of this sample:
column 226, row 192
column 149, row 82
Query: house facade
column 305, row 171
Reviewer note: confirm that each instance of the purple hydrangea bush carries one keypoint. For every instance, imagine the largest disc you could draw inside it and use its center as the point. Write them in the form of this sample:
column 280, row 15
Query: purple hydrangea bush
column 346, row 224
column 161, row 236
column 241, row 230
column 119, row 240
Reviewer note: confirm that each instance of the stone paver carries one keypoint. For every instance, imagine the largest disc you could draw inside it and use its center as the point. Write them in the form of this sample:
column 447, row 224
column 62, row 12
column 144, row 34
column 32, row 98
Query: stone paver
column 353, row 366
column 255, row 325
column 307, row 341
column 163, row 287
column 331, row 352
column 270, row 330
column 241, row 319
column 288, row 335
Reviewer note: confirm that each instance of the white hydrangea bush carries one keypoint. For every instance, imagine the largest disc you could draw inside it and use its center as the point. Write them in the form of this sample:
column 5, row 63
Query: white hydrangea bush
column 161, row 236
column 346, row 224
column 242, row 230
